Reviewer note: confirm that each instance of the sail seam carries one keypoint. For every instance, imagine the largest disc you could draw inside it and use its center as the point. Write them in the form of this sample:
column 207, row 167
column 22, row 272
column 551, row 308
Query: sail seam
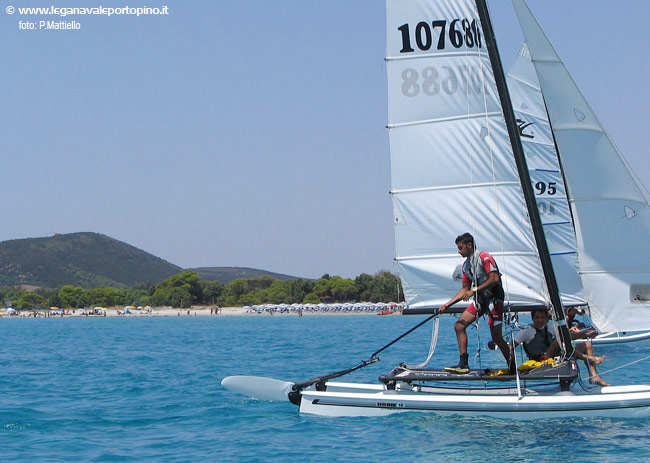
column 528, row 84
column 547, row 60
column 444, row 119
column 444, row 256
column 435, row 55
column 616, row 198
column 609, row 272
column 562, row 128
column 453, row 187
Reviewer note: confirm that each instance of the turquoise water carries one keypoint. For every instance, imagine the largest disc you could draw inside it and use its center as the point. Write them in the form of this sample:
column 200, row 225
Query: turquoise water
column 148, row 389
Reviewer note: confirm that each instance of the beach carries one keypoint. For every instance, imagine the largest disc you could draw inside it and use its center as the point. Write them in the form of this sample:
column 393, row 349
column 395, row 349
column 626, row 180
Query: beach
column 204, row 311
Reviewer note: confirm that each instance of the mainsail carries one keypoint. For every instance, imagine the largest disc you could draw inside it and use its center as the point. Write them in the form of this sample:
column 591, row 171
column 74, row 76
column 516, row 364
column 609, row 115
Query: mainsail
column 610, row 213
column 545, row 175
column 453, row 168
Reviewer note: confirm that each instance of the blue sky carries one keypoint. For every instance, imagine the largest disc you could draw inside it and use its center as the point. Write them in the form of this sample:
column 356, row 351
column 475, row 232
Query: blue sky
column 251, row 133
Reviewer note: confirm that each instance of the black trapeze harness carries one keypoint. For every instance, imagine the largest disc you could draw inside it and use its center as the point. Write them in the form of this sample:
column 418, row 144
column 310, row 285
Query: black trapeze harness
column 538, row 346
column 486, row 297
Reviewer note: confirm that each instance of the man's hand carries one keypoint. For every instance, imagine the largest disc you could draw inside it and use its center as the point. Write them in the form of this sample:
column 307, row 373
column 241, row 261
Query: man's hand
column 467, row 294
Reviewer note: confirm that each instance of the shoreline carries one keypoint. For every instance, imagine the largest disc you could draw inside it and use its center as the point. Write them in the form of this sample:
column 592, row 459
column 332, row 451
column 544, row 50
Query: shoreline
column 198, row 311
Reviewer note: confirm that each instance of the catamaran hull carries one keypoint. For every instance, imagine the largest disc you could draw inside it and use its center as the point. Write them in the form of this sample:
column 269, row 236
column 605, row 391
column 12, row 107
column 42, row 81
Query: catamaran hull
column 369, row 400
column 618, row 338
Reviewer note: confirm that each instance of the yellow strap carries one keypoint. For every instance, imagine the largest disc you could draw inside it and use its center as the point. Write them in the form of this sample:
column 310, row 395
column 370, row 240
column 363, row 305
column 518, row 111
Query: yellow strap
column 532, row 364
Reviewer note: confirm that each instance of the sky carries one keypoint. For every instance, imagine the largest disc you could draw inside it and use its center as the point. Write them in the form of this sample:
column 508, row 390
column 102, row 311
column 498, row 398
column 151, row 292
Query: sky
column 250, row 133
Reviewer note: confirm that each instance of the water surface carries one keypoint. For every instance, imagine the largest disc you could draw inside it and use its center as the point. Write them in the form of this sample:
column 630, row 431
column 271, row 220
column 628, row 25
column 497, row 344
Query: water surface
column 147, row 389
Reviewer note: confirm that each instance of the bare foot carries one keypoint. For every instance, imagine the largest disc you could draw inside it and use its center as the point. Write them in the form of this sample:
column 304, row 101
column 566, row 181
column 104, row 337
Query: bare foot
column 595, row 360
column 599, row 381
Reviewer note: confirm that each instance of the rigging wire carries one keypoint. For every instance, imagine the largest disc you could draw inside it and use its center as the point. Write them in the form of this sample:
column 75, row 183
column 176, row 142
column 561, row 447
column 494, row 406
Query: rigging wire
column 623, row 366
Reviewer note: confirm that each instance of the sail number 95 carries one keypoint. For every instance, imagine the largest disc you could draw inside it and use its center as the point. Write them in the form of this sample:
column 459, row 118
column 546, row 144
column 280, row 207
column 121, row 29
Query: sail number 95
column 459, row 32
column 548, row 188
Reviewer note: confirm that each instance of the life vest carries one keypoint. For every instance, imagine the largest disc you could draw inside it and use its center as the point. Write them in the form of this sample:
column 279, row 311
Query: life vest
column 538, row 346
column 487, row 296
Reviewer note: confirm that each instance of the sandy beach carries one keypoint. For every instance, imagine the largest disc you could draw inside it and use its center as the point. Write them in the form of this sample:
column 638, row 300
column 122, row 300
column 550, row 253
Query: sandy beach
column 195, row 311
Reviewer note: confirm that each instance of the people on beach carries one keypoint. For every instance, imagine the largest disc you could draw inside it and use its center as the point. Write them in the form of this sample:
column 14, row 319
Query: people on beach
column 482, row 280
column 540, row 344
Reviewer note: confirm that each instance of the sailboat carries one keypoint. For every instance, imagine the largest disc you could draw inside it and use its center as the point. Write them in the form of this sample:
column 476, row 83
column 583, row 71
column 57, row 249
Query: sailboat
column 457, row 165
column 627, row 319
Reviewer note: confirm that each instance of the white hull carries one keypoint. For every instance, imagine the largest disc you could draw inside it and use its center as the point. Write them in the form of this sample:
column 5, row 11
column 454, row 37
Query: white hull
column 341, row 399
column 618, row 338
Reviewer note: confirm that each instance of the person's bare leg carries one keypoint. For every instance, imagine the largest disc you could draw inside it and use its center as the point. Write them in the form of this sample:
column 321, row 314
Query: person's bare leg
column 460, row 326
column 587, row 351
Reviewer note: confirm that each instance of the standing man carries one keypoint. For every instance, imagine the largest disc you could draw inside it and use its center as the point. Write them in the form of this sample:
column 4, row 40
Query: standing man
column 482, row 280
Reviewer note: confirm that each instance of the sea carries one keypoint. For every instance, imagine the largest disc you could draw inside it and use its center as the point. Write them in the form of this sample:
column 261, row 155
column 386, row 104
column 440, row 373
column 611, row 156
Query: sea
column 148, row 390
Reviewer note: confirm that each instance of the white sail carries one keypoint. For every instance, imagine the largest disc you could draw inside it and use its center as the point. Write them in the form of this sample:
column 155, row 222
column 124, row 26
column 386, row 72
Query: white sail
column 545, row 176
column 453, row 169
column 611, row 214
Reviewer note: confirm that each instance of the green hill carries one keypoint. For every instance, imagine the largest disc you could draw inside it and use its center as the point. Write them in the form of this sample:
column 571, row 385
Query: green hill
column 89, row 260
column 79, row 259
column 227, row 274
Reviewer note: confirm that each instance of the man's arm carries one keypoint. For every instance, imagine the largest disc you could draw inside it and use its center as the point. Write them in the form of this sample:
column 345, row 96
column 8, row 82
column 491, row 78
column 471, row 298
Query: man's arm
column 577, row 333
column 464, row 294
column 523, row 336
column 492, row 280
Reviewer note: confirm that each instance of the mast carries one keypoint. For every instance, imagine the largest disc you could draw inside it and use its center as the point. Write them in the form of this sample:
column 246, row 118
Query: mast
column 522, row 168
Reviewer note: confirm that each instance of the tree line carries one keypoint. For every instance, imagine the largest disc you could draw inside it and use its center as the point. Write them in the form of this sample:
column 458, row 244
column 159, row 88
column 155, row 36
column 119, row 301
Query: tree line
column 187, row 288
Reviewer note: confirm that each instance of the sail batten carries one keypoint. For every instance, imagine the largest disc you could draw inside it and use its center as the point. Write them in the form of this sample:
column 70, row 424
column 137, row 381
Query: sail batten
column 456, row 187
column 455, row 256
column 424, row 55
column 613, row 272
column 576, row 128
column 638, row 201
column 442, row 119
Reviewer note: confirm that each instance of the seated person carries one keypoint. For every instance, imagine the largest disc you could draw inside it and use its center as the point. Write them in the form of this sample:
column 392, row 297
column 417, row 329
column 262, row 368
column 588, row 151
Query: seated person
column 570, row 315
column 540, row 343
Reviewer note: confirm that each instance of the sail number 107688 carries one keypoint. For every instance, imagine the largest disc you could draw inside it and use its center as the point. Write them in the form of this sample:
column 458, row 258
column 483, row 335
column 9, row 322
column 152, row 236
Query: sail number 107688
column 458, row 32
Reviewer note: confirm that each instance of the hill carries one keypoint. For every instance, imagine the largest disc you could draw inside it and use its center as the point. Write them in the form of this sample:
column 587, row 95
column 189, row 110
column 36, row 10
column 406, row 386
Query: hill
column 79, row 259
column 91, row 259
column 227, row 274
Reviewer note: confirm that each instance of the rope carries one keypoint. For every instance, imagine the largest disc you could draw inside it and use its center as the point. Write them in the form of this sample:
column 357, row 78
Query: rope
column 432, row 347
column 623, row 366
